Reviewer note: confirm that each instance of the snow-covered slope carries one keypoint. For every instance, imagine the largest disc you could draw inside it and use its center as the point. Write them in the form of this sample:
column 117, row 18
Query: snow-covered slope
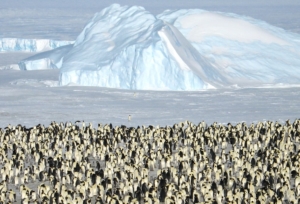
column 247, row 52
column 128, row 47
column 30, row 45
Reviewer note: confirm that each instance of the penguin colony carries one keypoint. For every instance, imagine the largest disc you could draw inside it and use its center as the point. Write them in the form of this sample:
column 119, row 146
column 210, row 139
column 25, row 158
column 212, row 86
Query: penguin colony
column 186, row 163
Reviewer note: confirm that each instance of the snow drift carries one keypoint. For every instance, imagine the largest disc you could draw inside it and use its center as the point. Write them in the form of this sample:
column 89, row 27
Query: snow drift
column 128, row 47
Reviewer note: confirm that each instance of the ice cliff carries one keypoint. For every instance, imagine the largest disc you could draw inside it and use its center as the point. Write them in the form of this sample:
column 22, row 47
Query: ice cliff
column 30, row 45
column 128, row 47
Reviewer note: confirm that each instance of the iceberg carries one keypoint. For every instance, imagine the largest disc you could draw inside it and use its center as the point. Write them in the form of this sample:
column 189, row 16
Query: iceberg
column 192, row 49
column 246, row 51
column 124, row 47
column 51, row 59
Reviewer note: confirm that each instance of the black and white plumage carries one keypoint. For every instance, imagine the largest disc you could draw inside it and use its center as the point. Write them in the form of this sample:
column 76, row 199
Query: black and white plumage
column 173, row 164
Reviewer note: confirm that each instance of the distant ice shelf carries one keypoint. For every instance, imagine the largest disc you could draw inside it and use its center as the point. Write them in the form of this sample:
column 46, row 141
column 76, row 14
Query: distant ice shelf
column 30, row 45
column 192, row 49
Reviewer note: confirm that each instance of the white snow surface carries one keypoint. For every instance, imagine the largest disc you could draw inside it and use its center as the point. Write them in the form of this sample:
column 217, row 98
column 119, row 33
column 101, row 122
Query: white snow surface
column 34, row 97
column 129, row 48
